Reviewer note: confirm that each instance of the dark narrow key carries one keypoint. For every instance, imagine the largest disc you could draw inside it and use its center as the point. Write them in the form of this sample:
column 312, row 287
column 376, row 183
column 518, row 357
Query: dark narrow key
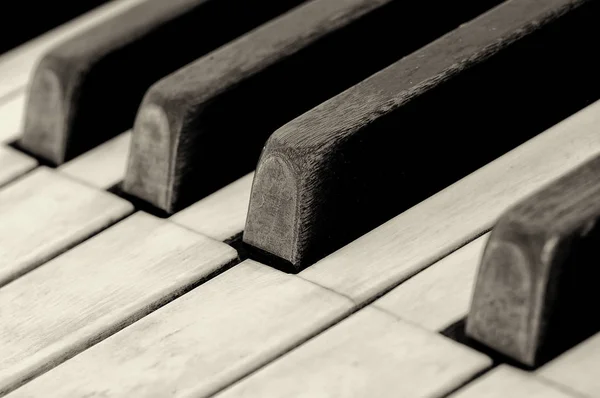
column 405, row 133
column 18, row 26
column 204, row 126
column 536, row 288
column 88, row 89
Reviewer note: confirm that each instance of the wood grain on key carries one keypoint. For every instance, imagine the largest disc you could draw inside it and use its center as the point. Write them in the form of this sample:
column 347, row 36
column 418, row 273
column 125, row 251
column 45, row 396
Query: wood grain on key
column 89, row 88
column 17, row 66
column 576, row 369
column 102, row 167
column 44, row 214
column 540, row 270
column 440, row 295
column 418, row 237
column 226, row 104
column 506, row 381
column 13, row 164
column 410, row 130
column 201, row 342
column 221, row 215
column 98, row 288
column 369, row 354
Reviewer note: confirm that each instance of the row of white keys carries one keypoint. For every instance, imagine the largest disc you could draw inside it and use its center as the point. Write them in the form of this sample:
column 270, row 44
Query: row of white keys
column 97, row 288
column 16, row 66
column 415, row 239
column 44, row 213
column 11, row 116
column 246, row 317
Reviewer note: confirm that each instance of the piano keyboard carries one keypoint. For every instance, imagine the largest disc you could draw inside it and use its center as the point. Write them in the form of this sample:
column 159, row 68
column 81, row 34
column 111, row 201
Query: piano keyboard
column 320, row 198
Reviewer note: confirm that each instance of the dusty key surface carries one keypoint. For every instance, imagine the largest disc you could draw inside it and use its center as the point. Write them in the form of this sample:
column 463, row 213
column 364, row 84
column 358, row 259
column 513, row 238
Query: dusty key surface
column 335, row 172
column 441, row 294
column 226, row 104
column 97, row 288
column 103, row 166
column 506, row 381
column 44, row 214
column 221, row 215
column 11, row 116
column 413, row 240
column 88, row 89
column 539, row 267
column 201, row 342
column 576, row 369
column 17, row 66
column 13, row 164
column 370, row 354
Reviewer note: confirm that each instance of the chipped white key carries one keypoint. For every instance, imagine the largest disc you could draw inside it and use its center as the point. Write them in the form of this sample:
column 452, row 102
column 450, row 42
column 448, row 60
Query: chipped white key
column 103, row 166
column 577, row 369
column 413, row 240
column 11, row 116
column 370, row 354
column 506, row 381
column 200, row 342
column 13, row 164
column 44, row 214
column 16, row 66
column 97, row 288
column 439, row 295
column 221, row 215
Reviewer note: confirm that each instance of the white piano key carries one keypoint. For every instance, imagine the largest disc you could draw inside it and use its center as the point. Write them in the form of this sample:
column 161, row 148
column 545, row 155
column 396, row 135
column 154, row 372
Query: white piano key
column 16, row 66
column 577, row 369
column 97, row 288
column 415, row 239
column 506, row 381
column 441, row 294
column 103, row 166
column 11, row 116
column 13, row 164
column 44, row 214
column 370, row 354
column 221, row 215
column 201, row 342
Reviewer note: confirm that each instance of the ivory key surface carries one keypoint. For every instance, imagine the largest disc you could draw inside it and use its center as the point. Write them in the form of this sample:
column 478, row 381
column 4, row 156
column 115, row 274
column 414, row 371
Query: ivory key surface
column 577, row 369
column 44, row 214
column 11, row 116
column 201, row 342
column 16, row 66
column 507, row 381
column 369, row 354
column 103, row 166
column 413, row 240
column 221, row 215
column 439, row 295
column 96, row 289
column 13, row 164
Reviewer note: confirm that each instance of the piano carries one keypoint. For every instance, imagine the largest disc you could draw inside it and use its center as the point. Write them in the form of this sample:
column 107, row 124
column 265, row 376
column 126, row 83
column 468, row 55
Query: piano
column 302, row 198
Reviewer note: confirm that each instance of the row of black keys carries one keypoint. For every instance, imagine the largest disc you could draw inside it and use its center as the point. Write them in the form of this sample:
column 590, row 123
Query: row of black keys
column 336, row 163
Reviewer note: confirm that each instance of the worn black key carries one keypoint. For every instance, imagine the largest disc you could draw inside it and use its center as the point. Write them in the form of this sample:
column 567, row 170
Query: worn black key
column 205, row 125
column 88, row 89
column 536, row 288
column 366, row 155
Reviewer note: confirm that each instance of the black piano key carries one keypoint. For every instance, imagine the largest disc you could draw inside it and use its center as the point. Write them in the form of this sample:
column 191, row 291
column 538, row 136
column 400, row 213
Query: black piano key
column 19, row 26
column 205, row 125
column 368, row 154
column 536, row 287
column 88, row 89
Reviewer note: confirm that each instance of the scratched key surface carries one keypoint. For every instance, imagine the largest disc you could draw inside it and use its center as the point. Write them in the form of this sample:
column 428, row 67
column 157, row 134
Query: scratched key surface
column 44, row 214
